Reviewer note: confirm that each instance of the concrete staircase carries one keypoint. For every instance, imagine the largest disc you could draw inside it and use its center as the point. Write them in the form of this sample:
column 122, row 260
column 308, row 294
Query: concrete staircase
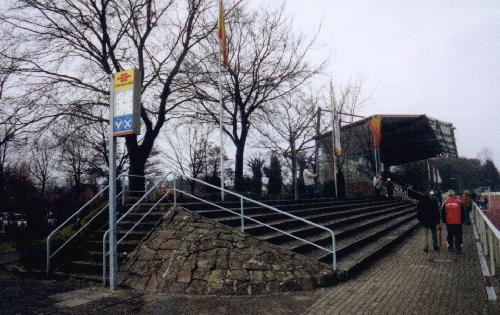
column 364, row 228
column 84, row 261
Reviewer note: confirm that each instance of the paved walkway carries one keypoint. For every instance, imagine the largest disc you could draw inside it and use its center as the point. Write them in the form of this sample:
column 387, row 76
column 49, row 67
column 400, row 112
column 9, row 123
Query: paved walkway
column 405, row 281
column 412, row 281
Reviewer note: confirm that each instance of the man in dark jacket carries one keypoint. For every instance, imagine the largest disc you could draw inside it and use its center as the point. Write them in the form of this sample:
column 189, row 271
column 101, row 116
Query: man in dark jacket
column 428, row 216
column 390, row 189
column 453, row 215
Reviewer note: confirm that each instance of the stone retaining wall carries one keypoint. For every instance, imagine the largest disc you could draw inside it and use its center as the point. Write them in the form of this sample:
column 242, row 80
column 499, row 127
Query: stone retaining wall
column 190, row 254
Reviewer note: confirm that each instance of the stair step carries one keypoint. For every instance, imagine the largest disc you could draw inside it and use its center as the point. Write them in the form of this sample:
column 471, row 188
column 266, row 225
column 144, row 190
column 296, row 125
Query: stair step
column 83, row 266
column 263, row 211
column 349, row 244
column 291, row 223
column 272, row 216
column 195, row 206
column 80, row 276
column 124, row 246
column 354, row 262
column 324, row 239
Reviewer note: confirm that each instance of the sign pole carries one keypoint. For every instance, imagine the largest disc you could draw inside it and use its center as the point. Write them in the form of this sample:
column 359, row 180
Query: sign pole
column 112, row 192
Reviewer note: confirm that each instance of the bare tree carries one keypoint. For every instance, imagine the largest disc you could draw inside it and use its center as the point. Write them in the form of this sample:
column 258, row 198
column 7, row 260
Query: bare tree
column 266, row 62
column 74, row 160
column 192, row 153
column 189, row 149
column 73, row 46
column 93, row 141
column 289, row 127
column 485, row 154
column 42, row 161
column 348, row 106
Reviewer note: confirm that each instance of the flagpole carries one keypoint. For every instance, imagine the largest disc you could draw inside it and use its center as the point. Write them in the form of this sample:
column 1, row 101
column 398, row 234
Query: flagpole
column 221, row 134
column 333, row 137
column 375, row 151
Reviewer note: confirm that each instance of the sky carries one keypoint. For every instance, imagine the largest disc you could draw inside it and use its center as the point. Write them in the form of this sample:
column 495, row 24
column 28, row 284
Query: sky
column 439, row 58
column 434, row 57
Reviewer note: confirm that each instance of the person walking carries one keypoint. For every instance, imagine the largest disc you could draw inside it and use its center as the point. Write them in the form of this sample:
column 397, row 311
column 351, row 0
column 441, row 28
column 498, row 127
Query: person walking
column 390, row 188
column 308, row 182
column 467, row 202
column 428, row 216
column 453, row 214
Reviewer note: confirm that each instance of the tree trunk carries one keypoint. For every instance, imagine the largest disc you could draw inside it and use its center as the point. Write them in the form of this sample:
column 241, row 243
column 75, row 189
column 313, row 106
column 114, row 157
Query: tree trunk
column 192, row 184
column 137, row 182
column 294, row 168
column 138, row 156
column 238, row 168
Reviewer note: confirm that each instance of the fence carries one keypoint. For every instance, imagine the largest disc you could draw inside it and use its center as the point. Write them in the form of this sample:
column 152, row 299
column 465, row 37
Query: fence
column 489, row 237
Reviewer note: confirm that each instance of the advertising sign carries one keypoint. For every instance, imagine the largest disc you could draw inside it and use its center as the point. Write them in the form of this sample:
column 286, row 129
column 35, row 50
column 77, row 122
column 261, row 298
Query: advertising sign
column 127, row 103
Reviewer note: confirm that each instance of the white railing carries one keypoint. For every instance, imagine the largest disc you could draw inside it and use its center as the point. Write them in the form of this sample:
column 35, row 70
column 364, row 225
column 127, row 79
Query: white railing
column 76, row 214
column 489, row 237
column 134, row 206
column 241, row 214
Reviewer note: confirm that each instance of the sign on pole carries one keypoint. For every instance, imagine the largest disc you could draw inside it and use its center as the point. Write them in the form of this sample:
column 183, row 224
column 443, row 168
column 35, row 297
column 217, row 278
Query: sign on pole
column 125, row 120
column 127, row 103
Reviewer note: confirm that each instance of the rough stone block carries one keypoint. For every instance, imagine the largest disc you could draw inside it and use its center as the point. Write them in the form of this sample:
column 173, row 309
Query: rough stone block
column 205, row 263
column 256, row 276
column 255, row 265
column 239, row 274
column 172, row 244
column 184, row 276
column 152, row 284
column 216, row 276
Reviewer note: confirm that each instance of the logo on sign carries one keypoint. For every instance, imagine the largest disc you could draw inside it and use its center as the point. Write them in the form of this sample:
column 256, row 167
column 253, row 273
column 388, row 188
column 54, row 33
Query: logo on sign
column 122, row 124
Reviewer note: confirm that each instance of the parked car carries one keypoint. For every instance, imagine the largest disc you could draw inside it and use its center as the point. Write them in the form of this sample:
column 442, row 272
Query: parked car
column 16, row 220
column 51, row 219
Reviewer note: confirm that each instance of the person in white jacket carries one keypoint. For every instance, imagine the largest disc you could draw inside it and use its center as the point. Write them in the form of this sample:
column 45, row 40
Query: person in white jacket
column 308, row 182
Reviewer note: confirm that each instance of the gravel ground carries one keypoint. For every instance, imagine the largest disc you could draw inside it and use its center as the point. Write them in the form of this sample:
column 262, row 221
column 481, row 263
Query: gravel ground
column 26, row 294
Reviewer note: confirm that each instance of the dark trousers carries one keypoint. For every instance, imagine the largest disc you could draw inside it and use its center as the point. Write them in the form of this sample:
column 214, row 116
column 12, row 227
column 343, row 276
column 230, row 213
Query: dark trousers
column 454, row 235
column 467, row 216
column 309, row 191
column 390, row 193
column 434, row 235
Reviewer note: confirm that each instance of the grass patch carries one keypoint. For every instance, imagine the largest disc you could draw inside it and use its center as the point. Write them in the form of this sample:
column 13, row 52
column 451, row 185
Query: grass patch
column 7, row 247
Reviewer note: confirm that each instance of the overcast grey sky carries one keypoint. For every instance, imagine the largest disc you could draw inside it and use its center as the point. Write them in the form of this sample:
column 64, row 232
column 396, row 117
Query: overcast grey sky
column 434, row 57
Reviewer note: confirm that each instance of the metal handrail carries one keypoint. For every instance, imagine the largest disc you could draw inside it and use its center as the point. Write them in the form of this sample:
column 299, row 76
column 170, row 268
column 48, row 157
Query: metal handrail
column 243, row 216
column 137, row 203
column 48, row 254
column 84, row 226
column 487, row 231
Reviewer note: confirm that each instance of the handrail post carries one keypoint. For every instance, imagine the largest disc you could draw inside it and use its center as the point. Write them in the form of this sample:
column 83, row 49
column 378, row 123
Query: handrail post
column 242, row 218
column 334, row 253
column 124, row 192
column 492, row 253
column 485, row 238
column 175, row 192
column 48, row 256
column 104, row 259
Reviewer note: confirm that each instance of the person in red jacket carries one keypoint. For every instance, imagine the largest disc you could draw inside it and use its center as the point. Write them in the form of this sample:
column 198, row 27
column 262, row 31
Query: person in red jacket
column 453, row 215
